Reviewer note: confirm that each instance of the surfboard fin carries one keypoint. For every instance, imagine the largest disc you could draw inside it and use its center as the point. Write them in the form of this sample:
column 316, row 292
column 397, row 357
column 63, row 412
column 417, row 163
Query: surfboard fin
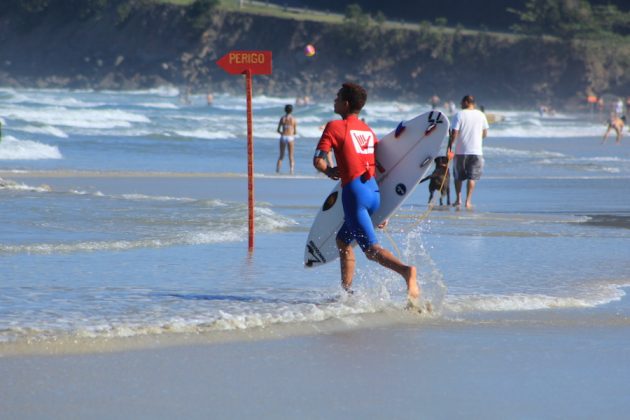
column 399, row 130
column 433, row 122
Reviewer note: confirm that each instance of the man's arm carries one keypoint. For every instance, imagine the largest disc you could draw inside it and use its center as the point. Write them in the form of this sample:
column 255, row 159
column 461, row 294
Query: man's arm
column 452, row 139
column 320, row 163
column 484, row 133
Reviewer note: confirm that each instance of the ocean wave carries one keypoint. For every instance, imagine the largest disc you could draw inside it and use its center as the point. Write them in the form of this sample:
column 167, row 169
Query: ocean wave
column 206, row 134
column 134, row 197
column 229, row 225
column 585, row 164
column 43, row 129
column 543, row 131
column 11, row 185
column 168, row 91
column 124, row 245
column 57, row 101
column 76, row 118
column 532, row 302
column 158, row 105
column 13, row 149
column 225, row 313
column 505, row 152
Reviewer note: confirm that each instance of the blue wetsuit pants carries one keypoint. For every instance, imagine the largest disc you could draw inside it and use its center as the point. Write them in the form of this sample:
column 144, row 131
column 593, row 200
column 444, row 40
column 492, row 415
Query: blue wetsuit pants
column 360, row 199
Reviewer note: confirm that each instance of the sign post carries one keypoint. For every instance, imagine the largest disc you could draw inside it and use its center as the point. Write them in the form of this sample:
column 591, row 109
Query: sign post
column 248, row 63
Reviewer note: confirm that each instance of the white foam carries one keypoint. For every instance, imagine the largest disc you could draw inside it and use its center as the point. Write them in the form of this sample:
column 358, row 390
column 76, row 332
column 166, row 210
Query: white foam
column 268, row 220
column 124, row 245
column 206, row 134
column 78, row 118
column 502, row 151
column 531, row 302
column 14, row 149
column 535, row 129
column 159, row 105
column 143, row 197
column 229, row 316
column 168, row 91
column 11, row 185
column 44, row 129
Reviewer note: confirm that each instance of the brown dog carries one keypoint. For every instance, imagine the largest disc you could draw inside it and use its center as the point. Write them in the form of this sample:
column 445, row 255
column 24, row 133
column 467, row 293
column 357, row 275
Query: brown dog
column 440, row 178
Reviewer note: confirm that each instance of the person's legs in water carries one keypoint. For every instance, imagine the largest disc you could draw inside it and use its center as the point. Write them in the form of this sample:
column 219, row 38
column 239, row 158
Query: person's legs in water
column 282, row 146
column 458, row 172
column 470, row 187
column 290, row 146
column 359, row 201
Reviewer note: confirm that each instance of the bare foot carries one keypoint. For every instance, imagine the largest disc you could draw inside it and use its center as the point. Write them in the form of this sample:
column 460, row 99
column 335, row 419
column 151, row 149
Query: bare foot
column 457, row 204
column 419, row 307
column 413, row 291
column 469, row 206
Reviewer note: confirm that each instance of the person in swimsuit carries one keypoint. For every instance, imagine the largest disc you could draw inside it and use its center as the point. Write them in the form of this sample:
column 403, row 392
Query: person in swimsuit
column 354, row 144
column 287, row 128
column 614, row 123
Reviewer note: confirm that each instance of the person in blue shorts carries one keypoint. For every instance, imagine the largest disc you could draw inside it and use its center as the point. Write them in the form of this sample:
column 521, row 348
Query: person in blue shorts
column 354, row 144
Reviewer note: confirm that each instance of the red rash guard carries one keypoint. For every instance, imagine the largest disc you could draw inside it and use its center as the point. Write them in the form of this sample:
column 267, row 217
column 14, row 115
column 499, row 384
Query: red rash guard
column 353, row 143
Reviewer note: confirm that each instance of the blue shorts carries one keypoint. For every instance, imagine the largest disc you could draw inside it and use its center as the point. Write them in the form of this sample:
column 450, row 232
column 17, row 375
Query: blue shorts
column 360, row 199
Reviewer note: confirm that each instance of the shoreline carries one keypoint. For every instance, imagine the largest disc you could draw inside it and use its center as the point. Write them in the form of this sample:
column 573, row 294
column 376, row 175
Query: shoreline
column 609, row 316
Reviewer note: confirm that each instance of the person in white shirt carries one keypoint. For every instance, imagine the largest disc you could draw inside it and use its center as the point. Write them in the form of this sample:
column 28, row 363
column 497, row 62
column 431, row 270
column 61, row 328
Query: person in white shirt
column 470, row 127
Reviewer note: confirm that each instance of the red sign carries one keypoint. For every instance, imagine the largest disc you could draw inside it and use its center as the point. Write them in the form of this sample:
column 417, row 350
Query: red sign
column 238, row 62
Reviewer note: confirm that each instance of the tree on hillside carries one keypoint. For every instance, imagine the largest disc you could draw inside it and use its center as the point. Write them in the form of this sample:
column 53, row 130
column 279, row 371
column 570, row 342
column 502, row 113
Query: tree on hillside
column 74, row 8
column 571, row 19
column 355, row 16
column 200, row 13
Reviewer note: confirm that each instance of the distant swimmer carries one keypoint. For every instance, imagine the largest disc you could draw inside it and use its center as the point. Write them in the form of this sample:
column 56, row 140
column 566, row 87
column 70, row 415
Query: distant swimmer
column 287, row 128
column 470, row 127
column 209, row 98
column 434, row 101
column 615, row 123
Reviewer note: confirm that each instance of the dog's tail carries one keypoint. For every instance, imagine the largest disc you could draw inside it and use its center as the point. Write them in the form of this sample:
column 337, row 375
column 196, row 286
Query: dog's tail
column 425, row 179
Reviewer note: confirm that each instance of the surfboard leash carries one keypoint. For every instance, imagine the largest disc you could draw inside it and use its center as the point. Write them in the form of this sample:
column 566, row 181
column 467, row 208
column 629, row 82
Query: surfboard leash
column 423, row 216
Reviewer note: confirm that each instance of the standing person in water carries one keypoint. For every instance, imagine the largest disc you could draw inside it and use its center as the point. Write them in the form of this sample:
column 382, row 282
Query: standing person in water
column 615, row 123
column 354, row 144
column 287, row 128
column 469, row 128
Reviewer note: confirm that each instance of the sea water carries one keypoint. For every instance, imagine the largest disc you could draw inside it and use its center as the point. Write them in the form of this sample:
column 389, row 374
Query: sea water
column 124, row 214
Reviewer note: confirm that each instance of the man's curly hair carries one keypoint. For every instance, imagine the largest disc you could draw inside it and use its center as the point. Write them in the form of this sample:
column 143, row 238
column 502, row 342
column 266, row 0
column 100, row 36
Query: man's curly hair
column 355, row 94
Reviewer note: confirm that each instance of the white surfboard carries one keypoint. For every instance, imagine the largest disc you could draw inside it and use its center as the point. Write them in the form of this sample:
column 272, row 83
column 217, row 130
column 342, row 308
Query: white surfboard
column 403, row 157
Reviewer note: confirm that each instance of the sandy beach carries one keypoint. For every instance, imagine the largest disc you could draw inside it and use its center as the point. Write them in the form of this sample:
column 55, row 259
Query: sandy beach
column 486, row 371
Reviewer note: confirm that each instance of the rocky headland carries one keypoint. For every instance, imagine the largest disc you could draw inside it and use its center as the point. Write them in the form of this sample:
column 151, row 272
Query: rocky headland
column 156, row 44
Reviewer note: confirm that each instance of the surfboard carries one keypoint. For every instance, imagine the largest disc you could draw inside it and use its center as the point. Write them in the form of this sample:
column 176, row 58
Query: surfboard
column 403, row 158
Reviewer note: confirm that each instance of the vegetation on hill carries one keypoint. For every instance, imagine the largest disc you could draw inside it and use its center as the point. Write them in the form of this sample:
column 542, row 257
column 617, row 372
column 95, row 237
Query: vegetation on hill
column 572, row 19
column 557, row 49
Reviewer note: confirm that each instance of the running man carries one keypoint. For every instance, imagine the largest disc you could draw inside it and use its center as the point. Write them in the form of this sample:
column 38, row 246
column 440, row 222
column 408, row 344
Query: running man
column 287, row 128
column 354, row 144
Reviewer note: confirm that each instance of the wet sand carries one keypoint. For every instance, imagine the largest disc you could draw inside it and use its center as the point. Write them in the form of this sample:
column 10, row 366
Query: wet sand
column 487, row 371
